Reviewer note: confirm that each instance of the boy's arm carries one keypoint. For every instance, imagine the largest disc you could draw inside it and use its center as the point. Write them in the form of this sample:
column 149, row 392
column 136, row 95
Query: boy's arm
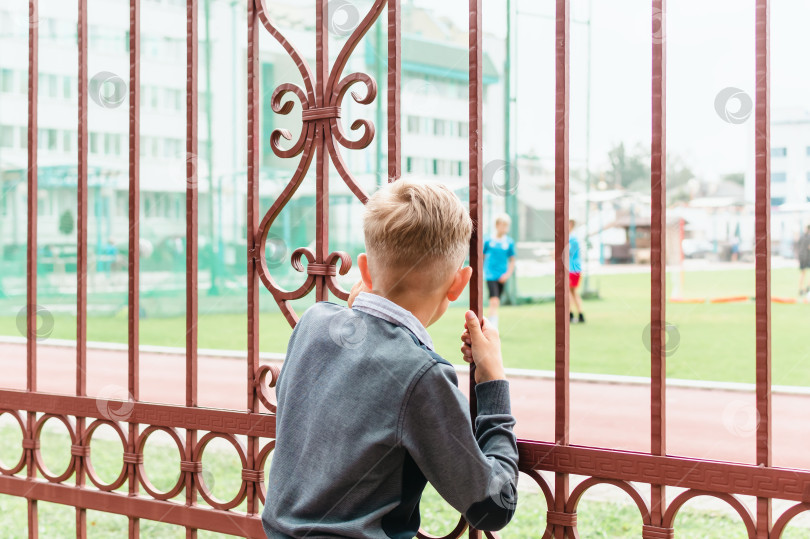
column 475, row 473
column 509, row 270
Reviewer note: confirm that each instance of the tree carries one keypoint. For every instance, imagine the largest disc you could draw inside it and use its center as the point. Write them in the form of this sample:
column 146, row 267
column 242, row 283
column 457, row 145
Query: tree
column 736, row 177
column 66, row 222
column 631, row 170
column 678, row 172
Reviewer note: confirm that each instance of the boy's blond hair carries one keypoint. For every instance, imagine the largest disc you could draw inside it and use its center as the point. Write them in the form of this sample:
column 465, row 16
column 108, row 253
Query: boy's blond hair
column 503, row 218
column 416, row 227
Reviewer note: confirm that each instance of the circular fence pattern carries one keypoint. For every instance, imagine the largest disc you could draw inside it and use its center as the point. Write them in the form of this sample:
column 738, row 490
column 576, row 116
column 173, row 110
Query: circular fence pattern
column 20, row 463
column 88, row 460
column 137, row 458
column 40, row 462
column 203, row 489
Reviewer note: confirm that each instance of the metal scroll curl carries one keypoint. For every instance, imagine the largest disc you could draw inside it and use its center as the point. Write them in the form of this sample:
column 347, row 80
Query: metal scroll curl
column 323, row 132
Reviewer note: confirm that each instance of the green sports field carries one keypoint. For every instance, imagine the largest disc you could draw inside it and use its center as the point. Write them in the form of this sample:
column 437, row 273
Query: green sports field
column 708, row 341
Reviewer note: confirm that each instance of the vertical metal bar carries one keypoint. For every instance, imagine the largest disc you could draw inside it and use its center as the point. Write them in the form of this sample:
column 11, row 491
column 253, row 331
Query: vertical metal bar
column 378, row 109
column 134, row 234
column 658, row 169
column 476, row 117
column 762, row 252
column 394, row 78
column 322, row 170
column 192, row 160
column 31, row 254
column 561, row 288
column 81, row 263
column 252, row 227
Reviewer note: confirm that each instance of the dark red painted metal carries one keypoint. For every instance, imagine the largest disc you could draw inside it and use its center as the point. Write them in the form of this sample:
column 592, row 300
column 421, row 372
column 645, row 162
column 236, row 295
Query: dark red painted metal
column 658, row 301
column 320, row 100
column 476, row 198
column 394, row 79
column 762, row 253
column 81, row 263
column 322, row 134
column 163, row 415
column 561, row 288
column 322, row 160
column 253, row 156
column 134, row 239
column 31, row 254
column 192, row 251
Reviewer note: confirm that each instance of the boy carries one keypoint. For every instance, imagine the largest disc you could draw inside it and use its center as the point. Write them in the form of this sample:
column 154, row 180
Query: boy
column 574, row 273
column 368, row 412
column 499, row 264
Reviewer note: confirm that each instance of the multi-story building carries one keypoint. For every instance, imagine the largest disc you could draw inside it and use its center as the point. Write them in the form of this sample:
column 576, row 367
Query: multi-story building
column 434, row 124
column 790, row 178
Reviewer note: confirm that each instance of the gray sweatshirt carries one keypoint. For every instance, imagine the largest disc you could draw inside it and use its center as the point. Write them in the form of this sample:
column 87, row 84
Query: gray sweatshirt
column 367, row 413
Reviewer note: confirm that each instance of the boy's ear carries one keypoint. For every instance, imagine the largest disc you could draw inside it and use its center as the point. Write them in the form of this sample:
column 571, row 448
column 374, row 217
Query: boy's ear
column 362, row 264
column 460, row 280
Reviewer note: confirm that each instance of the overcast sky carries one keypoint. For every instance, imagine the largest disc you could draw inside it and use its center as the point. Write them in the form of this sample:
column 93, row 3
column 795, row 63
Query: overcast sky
column 710, row 47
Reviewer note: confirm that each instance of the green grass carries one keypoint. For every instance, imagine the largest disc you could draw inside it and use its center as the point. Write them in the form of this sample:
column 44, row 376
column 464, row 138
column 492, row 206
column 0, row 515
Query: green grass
column 714, row 341
column 597, row 519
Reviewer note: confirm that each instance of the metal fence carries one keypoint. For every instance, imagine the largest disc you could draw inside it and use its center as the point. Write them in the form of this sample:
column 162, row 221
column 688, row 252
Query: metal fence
column 252, row 431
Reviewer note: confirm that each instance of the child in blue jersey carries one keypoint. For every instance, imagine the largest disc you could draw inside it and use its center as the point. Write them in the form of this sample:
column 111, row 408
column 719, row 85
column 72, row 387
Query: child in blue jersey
column 574, row 272
column 499, row 264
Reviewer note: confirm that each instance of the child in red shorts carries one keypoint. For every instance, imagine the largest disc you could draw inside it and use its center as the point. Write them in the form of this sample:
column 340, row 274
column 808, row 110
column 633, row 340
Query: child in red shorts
column 574, row 272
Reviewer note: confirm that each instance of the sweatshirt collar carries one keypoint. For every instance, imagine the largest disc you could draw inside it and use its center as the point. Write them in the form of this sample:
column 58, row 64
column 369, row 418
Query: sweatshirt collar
column 391, row 312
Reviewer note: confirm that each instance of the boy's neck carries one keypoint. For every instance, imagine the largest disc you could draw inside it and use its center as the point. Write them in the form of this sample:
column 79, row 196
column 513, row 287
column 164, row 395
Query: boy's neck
column 416, row 305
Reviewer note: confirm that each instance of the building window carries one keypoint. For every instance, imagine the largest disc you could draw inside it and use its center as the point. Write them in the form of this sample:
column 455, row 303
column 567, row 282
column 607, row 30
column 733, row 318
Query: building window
column 158, row 206
column 67, row 141
column 778, row 177
column 112, row 144
column 67, row 87
column 438, row 127
column 122, row 203
column 462, row 129
column 51, row 86
column 6, row 136
column 779, row 152
column 6, row 80
column 173, row 99
column 46, row 139
column 154, row 99
column 413, row 124
column 22, row 82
